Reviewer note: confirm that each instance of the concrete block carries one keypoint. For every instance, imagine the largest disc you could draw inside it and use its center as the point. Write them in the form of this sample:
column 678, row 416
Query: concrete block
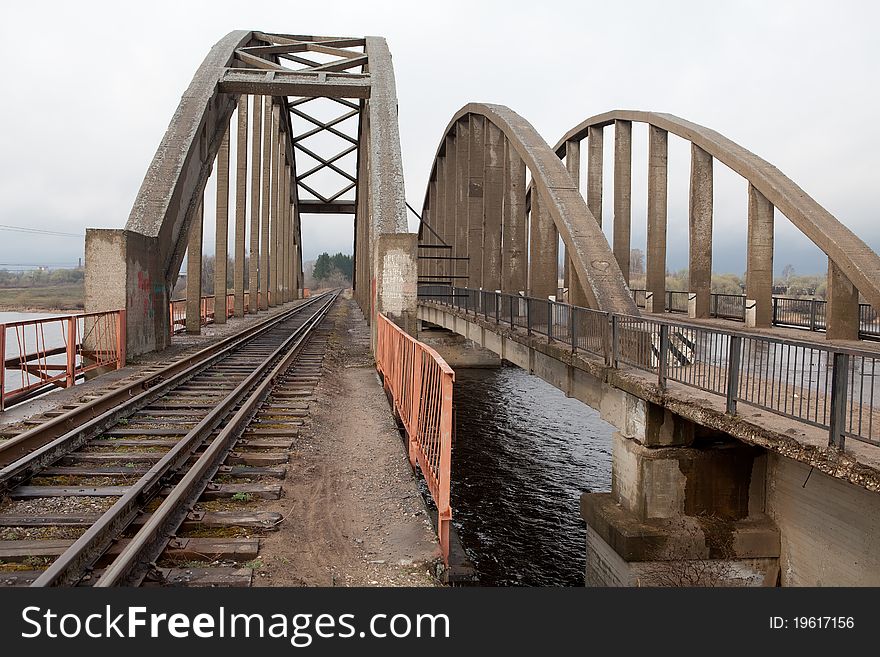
column 123, row 271
column 751, row 313
column 622, row 550
column 715, row 481
column 663, row 428
column 692, row 305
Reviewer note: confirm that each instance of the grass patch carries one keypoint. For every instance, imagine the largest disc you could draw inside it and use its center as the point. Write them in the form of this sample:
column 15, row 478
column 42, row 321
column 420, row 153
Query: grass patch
column 70, row 296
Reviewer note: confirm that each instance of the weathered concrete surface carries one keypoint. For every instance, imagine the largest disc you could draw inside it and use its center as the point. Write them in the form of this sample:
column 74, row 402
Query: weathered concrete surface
column 396, row 274
column 842, row 312
column 759, row 256
column 127, row 273
column 590, row 253
column 514, row 253
column 830, row 528
column 622, row 194
column 700, row 223
column 655, row 258
column 543, row 250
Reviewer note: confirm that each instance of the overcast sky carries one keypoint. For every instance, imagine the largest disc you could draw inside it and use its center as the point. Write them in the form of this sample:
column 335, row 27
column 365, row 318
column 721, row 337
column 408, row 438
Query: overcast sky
column 89, row 88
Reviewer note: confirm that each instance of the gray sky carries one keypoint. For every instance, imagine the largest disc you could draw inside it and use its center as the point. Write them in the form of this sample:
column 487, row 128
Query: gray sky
column 89, row 88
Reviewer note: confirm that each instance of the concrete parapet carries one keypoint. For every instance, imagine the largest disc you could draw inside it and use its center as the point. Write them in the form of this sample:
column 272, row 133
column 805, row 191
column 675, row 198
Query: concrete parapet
column 123, row 271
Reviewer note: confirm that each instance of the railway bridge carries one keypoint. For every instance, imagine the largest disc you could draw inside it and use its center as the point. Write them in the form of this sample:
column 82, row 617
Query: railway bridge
column 746, row 450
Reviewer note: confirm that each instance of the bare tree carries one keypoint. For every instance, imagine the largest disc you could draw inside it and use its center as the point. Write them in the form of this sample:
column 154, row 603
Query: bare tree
column 675, row 567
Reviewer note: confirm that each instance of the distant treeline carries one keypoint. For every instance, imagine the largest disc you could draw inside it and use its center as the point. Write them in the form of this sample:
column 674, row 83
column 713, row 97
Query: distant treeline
column 40, row 277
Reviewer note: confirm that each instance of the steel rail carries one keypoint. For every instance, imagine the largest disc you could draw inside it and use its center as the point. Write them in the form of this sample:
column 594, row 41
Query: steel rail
column 135, row 560
column 79, row 424
column 70, row 566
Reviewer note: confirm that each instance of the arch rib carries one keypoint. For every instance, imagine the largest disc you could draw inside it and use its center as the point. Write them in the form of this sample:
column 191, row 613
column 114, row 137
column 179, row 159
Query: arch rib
column 859, row 263
column 590, row 255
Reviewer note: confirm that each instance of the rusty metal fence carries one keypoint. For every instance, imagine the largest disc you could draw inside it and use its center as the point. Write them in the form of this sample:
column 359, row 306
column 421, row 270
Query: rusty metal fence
column 420, row 384
column 55, row 351
column 177, row 310
column 831, row 387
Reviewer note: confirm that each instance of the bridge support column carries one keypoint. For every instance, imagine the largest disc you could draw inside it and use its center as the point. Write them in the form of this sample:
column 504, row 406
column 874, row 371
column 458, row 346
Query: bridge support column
column 441, row 268
column 842, row 311
column 256, row 165
column 221, row 237
column 700, row 220
column 622, row 194
column 194, row 273
column 493, row 201
column 543, row 250
column 576, row 294
column 514, row 255
column 476, row 163
column 655, row 265
column 240, row 203
column 267, row 196
column 461, row 203
column 759, row 270
column 274, row 166
column 684, row 509
column 123, row 270
column 595, row 160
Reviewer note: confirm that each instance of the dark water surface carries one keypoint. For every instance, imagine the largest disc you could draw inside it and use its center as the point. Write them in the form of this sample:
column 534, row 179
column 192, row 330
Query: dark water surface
column 522, row 456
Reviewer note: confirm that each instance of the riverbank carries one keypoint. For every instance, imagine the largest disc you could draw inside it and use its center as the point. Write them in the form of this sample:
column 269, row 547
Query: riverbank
column 55, row 299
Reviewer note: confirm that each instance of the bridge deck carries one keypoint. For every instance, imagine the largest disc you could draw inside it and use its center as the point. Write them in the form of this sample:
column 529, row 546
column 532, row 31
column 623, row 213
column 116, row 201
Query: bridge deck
column 859, row 463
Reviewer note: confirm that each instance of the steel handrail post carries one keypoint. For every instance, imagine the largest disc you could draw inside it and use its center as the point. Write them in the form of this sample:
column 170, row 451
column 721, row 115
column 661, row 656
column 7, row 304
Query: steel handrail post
column 71, row 352
column 734, row 355
column 3, row 367
column 444, row 511
column 121, row 338
column 663, row 356
column 838, row 400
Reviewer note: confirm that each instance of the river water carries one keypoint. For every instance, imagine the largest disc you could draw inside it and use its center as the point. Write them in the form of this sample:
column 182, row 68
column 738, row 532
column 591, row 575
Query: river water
column 523, row 453
column 27, row 339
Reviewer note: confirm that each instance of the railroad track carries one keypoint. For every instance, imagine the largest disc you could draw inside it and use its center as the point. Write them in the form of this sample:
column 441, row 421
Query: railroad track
column 120, row 490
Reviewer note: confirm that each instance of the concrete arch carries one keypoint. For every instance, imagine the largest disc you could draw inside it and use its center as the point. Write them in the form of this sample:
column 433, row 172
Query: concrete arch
column 851, row 256
column 586, row 246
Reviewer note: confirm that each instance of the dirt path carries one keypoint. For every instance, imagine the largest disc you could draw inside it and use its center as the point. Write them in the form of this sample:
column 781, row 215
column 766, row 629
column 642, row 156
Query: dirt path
column 352, row 513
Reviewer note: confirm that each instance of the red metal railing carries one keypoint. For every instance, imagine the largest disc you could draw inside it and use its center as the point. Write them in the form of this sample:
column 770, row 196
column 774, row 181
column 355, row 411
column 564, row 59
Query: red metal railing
column 42, row 353
column 177, row 310
column 420, row 383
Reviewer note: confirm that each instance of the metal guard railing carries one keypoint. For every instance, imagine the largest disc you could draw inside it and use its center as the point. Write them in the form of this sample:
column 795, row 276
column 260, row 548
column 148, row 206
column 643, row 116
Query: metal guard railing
column 56, row 351
column 177, row 310
column 787, row 311
column 420, row 383
column 826, row 386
